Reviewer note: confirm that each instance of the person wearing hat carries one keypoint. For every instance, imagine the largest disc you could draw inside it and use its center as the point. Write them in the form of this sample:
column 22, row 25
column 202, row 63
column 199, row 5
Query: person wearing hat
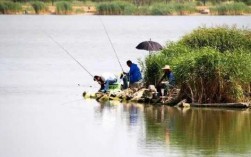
column 105, row 80
column 170, row 83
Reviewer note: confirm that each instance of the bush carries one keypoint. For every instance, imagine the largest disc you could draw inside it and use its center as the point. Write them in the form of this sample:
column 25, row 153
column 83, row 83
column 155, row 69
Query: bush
column 38, row 7
column 63, row 7
column 203, row 73
column 10, row 7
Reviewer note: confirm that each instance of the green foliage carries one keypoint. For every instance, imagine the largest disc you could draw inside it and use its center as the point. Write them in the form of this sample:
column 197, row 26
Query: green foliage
column 184, row 8
column 7, row 7
column 115, row 8
column 143, row 10
column 119, row 7
column 248, row 2
column 170, row 8
column 237, row 8
column 162, row 9
column 203, row 72
column 221, row 38
column 38, row 7
column 63, row 7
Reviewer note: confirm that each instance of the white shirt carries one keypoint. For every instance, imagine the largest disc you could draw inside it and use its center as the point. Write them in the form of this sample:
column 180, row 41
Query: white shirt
column 108, row 76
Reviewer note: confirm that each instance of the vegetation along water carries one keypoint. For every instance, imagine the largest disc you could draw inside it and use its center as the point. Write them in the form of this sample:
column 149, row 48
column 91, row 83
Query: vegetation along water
column 126, row 7
column 42, row 112
column 212, row 65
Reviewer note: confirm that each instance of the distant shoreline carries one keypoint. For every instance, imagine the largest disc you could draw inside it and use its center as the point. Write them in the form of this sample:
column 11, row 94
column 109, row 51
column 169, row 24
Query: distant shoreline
column 93, row 10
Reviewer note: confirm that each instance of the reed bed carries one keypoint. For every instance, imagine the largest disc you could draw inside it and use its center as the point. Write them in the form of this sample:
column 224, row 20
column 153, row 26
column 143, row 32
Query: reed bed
column 39, row 7
column 7, row 7
column 173, row 8
column 63, row 8
column 221, row 38
column 162, row 9
column 115, row 8
column 205, row 74
column 237, row 8
column 124, row 8
column 143, row 10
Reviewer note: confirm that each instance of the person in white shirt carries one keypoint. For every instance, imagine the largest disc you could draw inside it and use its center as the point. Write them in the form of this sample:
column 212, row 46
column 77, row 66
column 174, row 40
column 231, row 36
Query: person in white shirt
column 105, row 80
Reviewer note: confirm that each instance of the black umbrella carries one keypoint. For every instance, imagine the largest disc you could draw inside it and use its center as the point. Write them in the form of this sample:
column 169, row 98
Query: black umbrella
column 149, row 46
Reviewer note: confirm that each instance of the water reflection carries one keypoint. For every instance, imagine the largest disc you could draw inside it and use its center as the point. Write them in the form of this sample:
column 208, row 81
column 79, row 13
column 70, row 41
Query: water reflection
column 194, row 131
column 132, row 113
column 210, row 131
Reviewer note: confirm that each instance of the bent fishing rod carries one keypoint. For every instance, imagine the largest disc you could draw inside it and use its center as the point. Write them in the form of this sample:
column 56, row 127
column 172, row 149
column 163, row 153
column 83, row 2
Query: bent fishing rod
column 68, row 53
column 111, row 43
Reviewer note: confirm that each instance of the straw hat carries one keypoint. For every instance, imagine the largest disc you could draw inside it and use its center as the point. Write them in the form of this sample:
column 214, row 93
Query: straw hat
column 166, row 67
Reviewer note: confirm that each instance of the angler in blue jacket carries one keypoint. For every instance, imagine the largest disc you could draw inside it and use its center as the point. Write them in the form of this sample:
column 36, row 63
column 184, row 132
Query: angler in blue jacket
column 135, row 77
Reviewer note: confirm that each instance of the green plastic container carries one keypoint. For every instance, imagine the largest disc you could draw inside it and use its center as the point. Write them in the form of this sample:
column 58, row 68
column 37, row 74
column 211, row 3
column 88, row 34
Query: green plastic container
column 115, row 87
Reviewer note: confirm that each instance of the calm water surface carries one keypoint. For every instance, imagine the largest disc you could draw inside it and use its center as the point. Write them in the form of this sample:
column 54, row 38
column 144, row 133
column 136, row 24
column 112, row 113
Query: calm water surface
column 43, row 114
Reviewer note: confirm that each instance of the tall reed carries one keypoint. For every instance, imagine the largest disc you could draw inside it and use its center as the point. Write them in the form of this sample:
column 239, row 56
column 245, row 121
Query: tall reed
column 221, row 38
column 39, row 7
column 237, row 8
column 184, row 8
column 143, row 10
column 162, row 9
column 63, row 7
column 115, row 8
column 7, row 7
column 173, row 8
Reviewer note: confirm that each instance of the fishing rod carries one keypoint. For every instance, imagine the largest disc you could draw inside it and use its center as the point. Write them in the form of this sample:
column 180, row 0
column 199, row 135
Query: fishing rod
column 111, row 43
column 69, row 54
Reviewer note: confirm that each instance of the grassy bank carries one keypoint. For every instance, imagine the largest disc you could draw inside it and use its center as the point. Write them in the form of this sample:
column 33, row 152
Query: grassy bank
column 211, row 65
column 237, row 8
column 63, row 8
column 121, row 7
column 7, row 7
column 39, row 7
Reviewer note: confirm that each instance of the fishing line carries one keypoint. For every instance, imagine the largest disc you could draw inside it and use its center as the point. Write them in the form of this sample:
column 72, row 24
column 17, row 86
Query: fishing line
column 111, row 43
column 69, row 54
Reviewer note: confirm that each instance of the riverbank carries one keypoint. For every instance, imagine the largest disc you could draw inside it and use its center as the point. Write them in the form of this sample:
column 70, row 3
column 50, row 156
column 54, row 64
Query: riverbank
column 147, row 96
column 123, row 8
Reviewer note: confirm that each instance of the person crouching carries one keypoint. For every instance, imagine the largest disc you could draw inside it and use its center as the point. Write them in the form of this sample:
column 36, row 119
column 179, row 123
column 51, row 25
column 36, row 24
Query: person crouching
column 105, row 80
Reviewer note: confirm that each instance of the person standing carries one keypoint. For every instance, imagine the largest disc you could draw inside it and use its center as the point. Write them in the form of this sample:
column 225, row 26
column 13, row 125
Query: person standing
column 134, row 75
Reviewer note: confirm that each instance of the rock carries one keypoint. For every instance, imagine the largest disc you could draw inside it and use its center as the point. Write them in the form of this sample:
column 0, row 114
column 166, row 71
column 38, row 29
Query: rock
column 205, row 11
column 89, row 95
column 143, row 95
column 84, row 94
column 182, row 103
column 147, row 94
column 139, row 93
column 104, row 98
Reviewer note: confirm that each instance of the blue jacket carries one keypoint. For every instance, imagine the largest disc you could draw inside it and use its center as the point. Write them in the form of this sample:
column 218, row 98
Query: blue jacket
column 134, row 73
column 171, row 78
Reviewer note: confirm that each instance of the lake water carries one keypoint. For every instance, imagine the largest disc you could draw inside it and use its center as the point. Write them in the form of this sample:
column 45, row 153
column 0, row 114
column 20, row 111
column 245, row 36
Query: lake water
column 43, row 114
